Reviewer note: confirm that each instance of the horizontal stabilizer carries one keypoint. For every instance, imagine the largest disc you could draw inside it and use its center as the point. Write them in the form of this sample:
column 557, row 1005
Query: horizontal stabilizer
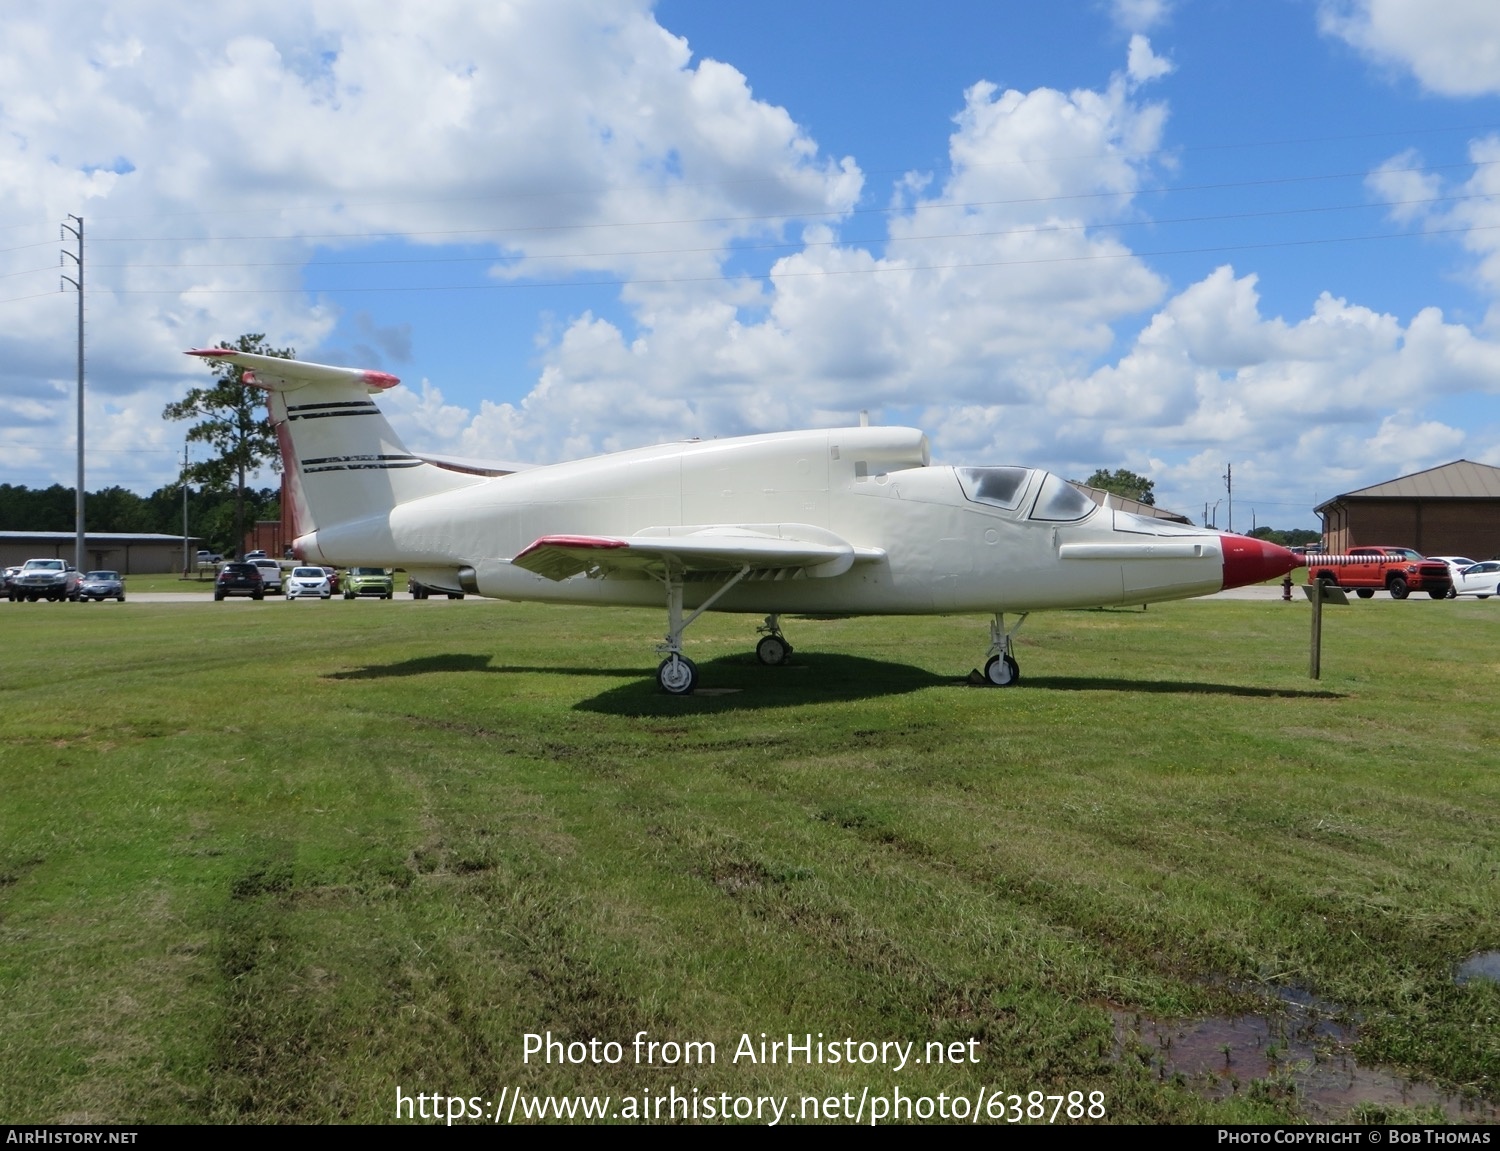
column 280, row 375
column 725, row 548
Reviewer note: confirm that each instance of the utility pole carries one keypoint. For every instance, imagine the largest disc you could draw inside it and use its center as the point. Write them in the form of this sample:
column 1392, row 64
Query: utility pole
column 185, row 568
column 1229, row 487
column 78, row 545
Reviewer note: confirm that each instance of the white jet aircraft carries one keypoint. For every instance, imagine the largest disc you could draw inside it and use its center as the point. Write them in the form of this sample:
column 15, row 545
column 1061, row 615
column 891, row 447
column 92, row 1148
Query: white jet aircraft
column 842, row 521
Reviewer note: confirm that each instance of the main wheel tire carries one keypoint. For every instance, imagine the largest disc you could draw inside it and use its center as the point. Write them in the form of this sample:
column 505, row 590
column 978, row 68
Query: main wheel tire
column 257, row 595
column 1398, row 587
column 218, row 596
column 677, row 675
column 773, row 651
column 1437, row 593
column 1002, row 671
column 1365, row 592
column 348, row 595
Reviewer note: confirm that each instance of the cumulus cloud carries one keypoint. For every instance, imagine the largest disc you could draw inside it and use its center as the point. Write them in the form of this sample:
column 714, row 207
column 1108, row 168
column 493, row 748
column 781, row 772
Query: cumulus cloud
column 530, row 131
column 991, row 282
column 1452, row 48
column 1295, row 398
column 1140, row 15
column 1470, row 209
column 1143, row 65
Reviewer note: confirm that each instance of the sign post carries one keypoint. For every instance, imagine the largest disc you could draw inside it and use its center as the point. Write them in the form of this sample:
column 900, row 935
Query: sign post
column 1320, row 593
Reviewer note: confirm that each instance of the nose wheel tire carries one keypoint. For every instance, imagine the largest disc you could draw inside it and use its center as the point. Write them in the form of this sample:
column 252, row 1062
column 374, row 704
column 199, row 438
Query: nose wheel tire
column 677, row 675
column 1002, row 671
column 773, row 651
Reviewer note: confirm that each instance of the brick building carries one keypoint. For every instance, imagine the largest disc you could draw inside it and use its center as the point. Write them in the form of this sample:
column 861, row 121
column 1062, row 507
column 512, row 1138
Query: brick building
column 1449, row 510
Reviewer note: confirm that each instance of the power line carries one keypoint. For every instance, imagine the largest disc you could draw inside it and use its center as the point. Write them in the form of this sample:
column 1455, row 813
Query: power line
column 878, row 270
column 551, row 194
column 799, row 245
column 793, row 214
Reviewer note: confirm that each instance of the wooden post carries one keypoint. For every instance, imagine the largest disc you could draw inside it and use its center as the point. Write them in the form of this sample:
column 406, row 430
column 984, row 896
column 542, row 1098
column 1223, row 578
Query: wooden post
column 1315, row 655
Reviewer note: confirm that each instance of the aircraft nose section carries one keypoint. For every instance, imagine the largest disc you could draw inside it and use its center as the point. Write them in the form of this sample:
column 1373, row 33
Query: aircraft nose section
column 1248, row 560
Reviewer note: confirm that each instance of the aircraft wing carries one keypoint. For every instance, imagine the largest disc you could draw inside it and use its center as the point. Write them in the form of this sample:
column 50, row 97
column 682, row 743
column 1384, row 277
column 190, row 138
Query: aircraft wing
column 792, row 549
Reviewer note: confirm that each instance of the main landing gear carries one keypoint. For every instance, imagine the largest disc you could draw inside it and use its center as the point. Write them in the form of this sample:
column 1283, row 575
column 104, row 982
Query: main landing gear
column 677, row 674
column 1001, row 669
column 773, row 650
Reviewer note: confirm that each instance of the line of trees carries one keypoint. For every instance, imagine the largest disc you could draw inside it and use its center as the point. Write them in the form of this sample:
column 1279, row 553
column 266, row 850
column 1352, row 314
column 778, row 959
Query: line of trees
column 211, row 514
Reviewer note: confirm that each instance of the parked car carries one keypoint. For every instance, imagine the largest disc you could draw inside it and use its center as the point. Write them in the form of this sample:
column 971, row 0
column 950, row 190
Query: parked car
column 1455, row 564
column 239, row 579
column 369, row 581
column 207, row 557
column 1399, row 571
column 52, row 579
column 257, row 554
column 101, row 585
column 422, row 591
column 308, row 581
column 9, row 577
column 270, row 571
column 333, row 578
column 1481, row 579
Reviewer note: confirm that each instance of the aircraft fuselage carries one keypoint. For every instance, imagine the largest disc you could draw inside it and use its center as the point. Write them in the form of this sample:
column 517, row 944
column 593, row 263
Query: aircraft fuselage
column 923, row 543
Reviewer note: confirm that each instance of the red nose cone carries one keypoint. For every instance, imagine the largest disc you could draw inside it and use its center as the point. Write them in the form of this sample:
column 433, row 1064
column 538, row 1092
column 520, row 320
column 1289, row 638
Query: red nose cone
column 1248, row 560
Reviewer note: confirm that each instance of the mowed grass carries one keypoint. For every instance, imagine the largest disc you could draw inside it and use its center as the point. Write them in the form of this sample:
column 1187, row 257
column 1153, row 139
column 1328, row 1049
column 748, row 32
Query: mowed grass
column 266, row 861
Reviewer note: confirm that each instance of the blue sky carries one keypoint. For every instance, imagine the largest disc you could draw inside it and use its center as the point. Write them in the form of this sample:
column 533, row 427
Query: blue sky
column 1134, row 233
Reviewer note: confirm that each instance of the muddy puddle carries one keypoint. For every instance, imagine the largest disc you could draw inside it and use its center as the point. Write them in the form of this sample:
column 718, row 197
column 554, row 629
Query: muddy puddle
column 1300, row 1055
column 1485, row 965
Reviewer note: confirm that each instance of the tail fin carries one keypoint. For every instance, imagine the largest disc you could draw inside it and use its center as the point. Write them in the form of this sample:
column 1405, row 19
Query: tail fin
column 342, row 459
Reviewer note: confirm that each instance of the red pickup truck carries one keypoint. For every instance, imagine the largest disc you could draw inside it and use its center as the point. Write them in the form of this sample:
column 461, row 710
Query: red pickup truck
column 1399, row 571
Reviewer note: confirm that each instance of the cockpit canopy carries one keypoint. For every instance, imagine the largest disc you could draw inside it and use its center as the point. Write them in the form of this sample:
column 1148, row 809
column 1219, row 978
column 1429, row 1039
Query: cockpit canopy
column 1055, row 499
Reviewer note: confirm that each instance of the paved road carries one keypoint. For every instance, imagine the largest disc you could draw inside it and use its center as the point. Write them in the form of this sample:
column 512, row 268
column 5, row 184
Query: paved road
column 1254, row 592
column 207, row 597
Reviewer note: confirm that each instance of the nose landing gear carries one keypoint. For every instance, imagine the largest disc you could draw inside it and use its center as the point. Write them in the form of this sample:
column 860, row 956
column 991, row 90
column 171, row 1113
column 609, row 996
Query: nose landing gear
column 1000, row 668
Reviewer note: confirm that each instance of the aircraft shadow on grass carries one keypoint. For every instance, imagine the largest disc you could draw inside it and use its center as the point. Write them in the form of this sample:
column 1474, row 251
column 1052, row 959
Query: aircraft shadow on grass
column 742, row 683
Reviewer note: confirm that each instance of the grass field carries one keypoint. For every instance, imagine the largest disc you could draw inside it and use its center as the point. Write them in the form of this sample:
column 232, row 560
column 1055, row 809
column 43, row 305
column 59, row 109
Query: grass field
column 268, row 862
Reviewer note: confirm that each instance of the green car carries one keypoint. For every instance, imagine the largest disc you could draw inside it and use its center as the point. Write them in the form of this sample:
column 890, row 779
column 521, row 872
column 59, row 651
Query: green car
column 368, row 581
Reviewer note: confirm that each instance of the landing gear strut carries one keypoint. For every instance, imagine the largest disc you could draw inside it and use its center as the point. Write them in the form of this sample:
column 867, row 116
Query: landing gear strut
column 1001, row 668
column 677, row 674
column 773, row 650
